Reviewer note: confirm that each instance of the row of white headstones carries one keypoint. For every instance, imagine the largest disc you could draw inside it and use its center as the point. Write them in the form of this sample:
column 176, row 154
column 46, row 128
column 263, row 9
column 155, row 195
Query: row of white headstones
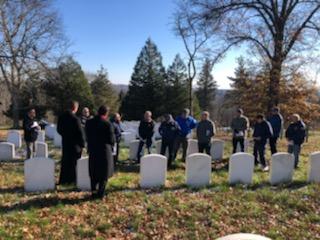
column 7, row 149
column 198, row 167
column 39, row 172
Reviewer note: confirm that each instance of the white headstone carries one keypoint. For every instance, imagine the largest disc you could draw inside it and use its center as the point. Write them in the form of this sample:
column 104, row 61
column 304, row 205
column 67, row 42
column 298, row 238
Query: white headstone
column 128, row 137
column 7, row 151
column 156, row 134
column 192, row 147
column 133, row 149
column 14, row 137
column 39, row 174
column 153, row 170
column 41, row 150
column 314, row 168
column 50, row 130
column 57, row 140
column 83, row 177
column 198, row 170
column 217, row 148
column 282, row 167
column 243, row 236
column 246, row 146
column 158, row 148
column 41, row 136
column 241, row 167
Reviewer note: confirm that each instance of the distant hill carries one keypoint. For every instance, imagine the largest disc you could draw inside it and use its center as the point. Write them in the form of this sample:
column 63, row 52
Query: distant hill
column 124, row 87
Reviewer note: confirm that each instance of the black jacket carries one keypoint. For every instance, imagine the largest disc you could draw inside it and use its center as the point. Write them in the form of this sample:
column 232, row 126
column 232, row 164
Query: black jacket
column 100, row 136
column 296, row 132
column 262, row 130
column 146, row 129
column 276, row 122
column 69, row 127
column 169, row 130
column 30, row 134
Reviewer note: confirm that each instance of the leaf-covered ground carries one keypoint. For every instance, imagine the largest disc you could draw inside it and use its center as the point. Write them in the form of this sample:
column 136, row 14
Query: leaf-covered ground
column 174, row 212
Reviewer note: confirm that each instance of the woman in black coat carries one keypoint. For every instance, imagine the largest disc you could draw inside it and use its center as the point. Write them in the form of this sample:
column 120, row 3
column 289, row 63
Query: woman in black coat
column 100, row 137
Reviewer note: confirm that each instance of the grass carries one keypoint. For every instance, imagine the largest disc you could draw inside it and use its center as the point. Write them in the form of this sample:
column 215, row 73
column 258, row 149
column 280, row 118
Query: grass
column 289, row 211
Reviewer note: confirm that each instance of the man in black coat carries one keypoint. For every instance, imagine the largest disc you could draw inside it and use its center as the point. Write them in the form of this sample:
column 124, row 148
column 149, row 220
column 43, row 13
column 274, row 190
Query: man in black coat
column 69, row 127
column 31, row 129
column 146, row 131
column 276, row 121
column 101, row 138
column 168, row 130
column 296, row 134
column 262, row 131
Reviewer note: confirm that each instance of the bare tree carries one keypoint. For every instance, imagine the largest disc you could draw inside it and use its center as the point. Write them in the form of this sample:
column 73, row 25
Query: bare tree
column 30, row 39
column 195, row 43
column 280, row 31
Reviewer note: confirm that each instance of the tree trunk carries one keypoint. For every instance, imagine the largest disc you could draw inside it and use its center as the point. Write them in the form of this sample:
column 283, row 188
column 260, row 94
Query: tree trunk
column 15, row 110
column 274, row 85
column 190, row 96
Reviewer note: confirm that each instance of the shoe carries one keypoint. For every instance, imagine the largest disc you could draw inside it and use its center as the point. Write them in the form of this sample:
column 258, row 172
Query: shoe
column 265, row 169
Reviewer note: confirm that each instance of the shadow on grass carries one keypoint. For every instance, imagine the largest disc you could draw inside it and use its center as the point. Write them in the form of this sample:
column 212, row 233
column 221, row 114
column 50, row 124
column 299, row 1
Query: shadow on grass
column 41, row 202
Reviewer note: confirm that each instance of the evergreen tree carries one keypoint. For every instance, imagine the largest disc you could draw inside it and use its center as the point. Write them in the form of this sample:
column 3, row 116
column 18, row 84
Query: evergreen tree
column 177, row 87
column 103, row 91
column 147, row 85
column 66, row 83
column 207, row 87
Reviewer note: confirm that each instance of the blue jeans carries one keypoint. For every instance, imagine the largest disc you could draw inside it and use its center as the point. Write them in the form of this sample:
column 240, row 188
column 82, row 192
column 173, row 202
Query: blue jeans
column 295, row 149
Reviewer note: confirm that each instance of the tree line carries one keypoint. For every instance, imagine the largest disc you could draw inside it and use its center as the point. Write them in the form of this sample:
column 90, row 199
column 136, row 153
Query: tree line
column 151, row 87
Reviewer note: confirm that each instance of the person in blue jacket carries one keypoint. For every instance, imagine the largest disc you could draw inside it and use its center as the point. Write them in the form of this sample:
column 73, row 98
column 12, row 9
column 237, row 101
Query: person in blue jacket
column 168, row 130
column 276, row 121
column 262, row 131
column 186, row 124
column 296, row 134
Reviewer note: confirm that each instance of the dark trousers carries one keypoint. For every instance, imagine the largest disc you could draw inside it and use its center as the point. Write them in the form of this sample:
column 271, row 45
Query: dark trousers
column 148, row 143
column 259, row 152
column 100, row 192
column 181, row 140
column 31, row 149
column 204, row 147
column 273, row 144
column 167, row 144
column 235, row 142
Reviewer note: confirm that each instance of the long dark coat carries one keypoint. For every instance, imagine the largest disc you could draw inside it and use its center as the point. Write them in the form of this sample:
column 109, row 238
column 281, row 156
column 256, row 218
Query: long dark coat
column 69, row 127
column 100, row 138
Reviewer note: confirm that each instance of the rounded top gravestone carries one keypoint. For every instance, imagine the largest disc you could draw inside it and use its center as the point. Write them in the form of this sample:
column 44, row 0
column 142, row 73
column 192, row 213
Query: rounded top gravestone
column 243, row 236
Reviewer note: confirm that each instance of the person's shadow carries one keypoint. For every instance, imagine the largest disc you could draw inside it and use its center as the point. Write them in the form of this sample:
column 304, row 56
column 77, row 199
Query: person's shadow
column 39, row 201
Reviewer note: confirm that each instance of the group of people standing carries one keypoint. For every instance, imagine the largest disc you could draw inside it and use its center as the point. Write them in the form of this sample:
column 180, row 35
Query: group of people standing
column 102, row 138
column 268, row 130
column 176, row 133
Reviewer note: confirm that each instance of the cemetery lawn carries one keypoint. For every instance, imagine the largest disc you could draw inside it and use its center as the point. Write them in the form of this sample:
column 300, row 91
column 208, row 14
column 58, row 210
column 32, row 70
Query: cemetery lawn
column 289, row 211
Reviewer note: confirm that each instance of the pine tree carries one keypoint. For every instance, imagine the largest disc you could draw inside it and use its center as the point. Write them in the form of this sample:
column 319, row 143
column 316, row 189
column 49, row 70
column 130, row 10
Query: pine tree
column 66, row 83
column 207, row 86
column 147, row 85
column 103, row 91
column 176, row 87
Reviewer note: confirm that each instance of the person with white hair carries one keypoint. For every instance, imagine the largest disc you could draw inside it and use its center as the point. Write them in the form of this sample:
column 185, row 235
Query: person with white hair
column 296, row 134
column 205, row 131
column 146, row 131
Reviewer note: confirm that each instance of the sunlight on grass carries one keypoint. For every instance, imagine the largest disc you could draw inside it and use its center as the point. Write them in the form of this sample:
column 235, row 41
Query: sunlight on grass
column 289, row 211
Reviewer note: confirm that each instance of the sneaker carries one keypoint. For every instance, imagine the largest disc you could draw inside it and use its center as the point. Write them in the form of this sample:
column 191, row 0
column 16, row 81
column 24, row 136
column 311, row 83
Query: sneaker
column 265, row 169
